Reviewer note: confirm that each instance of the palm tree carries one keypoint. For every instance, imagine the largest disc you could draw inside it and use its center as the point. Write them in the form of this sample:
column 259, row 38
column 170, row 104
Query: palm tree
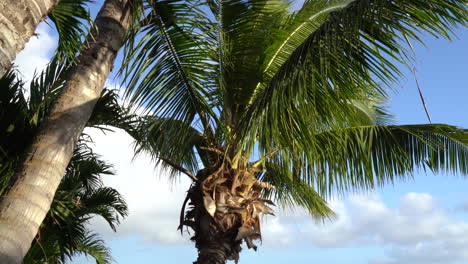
column 65, row 232
column 25, row 205
column 20, row 19
column 255, row 102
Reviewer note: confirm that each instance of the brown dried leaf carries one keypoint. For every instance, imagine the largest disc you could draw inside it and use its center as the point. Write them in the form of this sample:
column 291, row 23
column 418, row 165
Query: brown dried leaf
column 210, row 204
column 264, row 185
column 267, row 201
column 244, row 232
column 250, row 244
column 263, row 208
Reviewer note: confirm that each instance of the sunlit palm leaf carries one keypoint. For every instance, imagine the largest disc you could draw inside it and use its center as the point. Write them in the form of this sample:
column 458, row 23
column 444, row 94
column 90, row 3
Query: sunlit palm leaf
column 291, row 191
column 364, row 158
column 165, row 70
column 352, row 50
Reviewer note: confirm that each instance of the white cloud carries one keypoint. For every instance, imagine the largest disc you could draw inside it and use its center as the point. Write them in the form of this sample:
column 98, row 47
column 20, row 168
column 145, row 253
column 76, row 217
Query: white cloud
column 419, row 231
column 154, row 202
column 37, row 52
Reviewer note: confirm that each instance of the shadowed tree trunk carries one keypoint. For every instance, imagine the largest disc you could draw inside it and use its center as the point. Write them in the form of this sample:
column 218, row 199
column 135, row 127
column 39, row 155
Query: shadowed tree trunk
column 18, row 20
column 24, row 207
column 215, row 244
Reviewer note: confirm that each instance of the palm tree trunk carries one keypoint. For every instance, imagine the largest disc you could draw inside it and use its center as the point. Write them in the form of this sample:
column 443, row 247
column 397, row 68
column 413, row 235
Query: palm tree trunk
column 24, row 207
column 18, row 20
column 213, row 253
column 216, row 244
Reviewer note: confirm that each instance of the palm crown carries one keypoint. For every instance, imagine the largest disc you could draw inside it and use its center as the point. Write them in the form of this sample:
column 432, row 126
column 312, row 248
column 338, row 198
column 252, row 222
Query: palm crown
column 280, row 103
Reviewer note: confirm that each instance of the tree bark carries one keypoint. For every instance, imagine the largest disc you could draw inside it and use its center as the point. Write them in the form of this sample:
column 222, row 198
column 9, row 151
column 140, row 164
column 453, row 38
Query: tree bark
column 213, row 253
column 18, row 20
column 215, row 244
column 26, row 204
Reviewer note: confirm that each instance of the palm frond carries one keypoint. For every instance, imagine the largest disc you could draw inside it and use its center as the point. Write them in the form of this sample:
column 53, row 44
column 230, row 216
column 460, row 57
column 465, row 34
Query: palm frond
column 291, row 191
column 367, row 157
column 172, row 141
column 110, row 113
column 81, row 195
column 245, row 29
column 72, row 21
column 165, row 71
column 355, row 49
column 298, row 27
column 95, row 247
column 44, row 88
column 105, row 202
column 85, row 170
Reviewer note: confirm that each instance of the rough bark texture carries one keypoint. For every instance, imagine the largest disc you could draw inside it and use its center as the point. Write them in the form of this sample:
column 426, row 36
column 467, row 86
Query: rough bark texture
column 24, row 207
column 224, row 210
column 215, row 244
column 18, row 20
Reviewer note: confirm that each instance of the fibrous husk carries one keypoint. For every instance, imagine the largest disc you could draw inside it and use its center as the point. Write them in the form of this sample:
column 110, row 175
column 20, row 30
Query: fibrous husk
column 232, row 198
column 230, row 192
column 244, row 232
column 210, row 204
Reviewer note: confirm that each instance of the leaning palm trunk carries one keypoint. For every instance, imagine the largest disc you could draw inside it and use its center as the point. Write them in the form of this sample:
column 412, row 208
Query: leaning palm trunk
column 26, row 204
column 19, row 19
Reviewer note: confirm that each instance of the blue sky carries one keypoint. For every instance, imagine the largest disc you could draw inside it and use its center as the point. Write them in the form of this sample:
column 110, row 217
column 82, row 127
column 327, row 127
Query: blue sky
column 419, row 221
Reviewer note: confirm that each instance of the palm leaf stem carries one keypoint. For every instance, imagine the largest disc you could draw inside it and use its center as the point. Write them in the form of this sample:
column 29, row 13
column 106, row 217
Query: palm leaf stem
column 179, row 168
column 326, row 10
column 203, row 118
column 265, row 157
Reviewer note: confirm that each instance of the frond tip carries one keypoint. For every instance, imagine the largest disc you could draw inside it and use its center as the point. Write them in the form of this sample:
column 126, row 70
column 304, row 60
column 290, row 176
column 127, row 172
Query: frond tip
column 363, row 158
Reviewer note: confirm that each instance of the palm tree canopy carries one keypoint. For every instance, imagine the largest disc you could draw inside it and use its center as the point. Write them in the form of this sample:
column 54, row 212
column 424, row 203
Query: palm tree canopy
column 254, row 79
column 65, row 232
column 281, row 104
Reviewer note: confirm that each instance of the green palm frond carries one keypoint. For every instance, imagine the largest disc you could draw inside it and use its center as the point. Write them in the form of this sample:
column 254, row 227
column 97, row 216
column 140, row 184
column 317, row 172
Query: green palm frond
column 44, row 88
column 72, row 21
column 291, row 191
column 95, row 247
column 353, row 49
column 81, row 195
column 49, row 251
column 367, row 157
column 105, row 202
column 85, row 169
column 165, row 68
column 175, row 142
column 296, row 29
column 109, row 113
column 244, row 28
